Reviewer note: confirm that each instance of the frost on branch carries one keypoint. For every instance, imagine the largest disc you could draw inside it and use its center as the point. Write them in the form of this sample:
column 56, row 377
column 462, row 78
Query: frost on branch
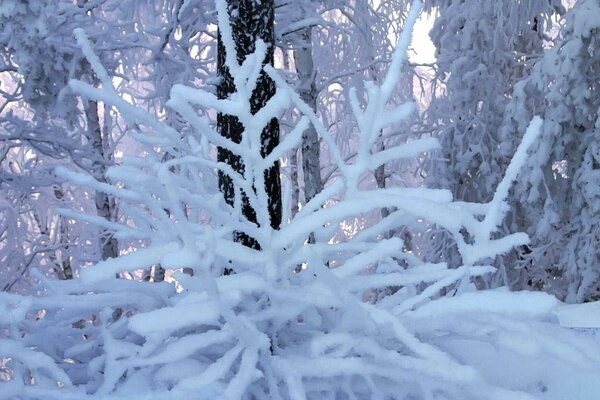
column 272, row 330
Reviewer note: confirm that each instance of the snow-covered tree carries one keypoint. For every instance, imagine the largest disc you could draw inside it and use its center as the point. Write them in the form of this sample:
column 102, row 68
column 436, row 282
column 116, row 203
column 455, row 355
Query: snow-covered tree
column 271, row 330
column 46, row 127
column 482, row 49
column 556, row 202
column 362, row 317
column 300, row 39
column 146, row 46
column 250, row 21
column 334, row 43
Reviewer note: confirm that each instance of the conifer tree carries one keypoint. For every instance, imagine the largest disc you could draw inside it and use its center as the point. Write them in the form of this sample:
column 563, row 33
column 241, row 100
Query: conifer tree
column 557, row 202
column 482, row 50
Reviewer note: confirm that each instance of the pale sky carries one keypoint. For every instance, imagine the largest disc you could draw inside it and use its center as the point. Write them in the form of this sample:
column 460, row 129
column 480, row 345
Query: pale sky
column 423, row 50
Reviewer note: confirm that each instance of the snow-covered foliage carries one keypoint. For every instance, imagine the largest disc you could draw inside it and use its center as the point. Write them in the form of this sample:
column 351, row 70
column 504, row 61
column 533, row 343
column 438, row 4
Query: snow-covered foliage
column 27, row 37
column 359, row 318
column 297, row 320
column 480, row 53
column 335, row 44
column 147, row 47
column 557, row 202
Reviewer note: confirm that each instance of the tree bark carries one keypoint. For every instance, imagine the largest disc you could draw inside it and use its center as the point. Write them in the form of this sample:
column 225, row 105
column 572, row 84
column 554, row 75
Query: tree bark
column 308, row 92
column 250, row 20
column 105, row 205
column 311, row 156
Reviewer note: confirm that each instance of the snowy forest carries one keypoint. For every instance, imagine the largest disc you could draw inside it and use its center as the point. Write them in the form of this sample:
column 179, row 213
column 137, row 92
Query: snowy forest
column 300, row 200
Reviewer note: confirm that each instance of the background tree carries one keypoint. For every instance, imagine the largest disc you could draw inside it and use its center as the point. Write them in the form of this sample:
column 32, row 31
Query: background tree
column 482, row 50
column 41, row 128
column 556, row 202
column 148, row 46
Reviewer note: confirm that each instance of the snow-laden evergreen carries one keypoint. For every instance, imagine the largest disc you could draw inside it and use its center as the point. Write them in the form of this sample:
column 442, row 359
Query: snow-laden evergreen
column 556, row 202
column 481, row 51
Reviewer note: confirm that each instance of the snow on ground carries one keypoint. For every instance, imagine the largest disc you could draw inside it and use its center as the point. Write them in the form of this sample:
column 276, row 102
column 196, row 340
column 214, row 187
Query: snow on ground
column 524, row 341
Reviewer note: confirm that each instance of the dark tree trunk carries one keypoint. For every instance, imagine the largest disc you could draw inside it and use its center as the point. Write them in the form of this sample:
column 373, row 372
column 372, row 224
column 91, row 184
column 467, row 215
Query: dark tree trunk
column 250, row 20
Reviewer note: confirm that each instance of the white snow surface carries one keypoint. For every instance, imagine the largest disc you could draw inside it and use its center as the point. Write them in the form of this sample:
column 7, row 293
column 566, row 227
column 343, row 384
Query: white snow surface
column 586, row 315
column 518, row 342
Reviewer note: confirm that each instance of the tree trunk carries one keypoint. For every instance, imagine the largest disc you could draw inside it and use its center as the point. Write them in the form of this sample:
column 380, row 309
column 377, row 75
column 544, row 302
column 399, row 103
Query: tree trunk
column 308, row 92
column 250, row 20
column 105, row 205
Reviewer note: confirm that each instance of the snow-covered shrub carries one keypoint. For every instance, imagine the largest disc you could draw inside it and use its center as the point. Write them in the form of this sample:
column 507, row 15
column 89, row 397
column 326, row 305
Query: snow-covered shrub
column 292, row 321
column 57, row 346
